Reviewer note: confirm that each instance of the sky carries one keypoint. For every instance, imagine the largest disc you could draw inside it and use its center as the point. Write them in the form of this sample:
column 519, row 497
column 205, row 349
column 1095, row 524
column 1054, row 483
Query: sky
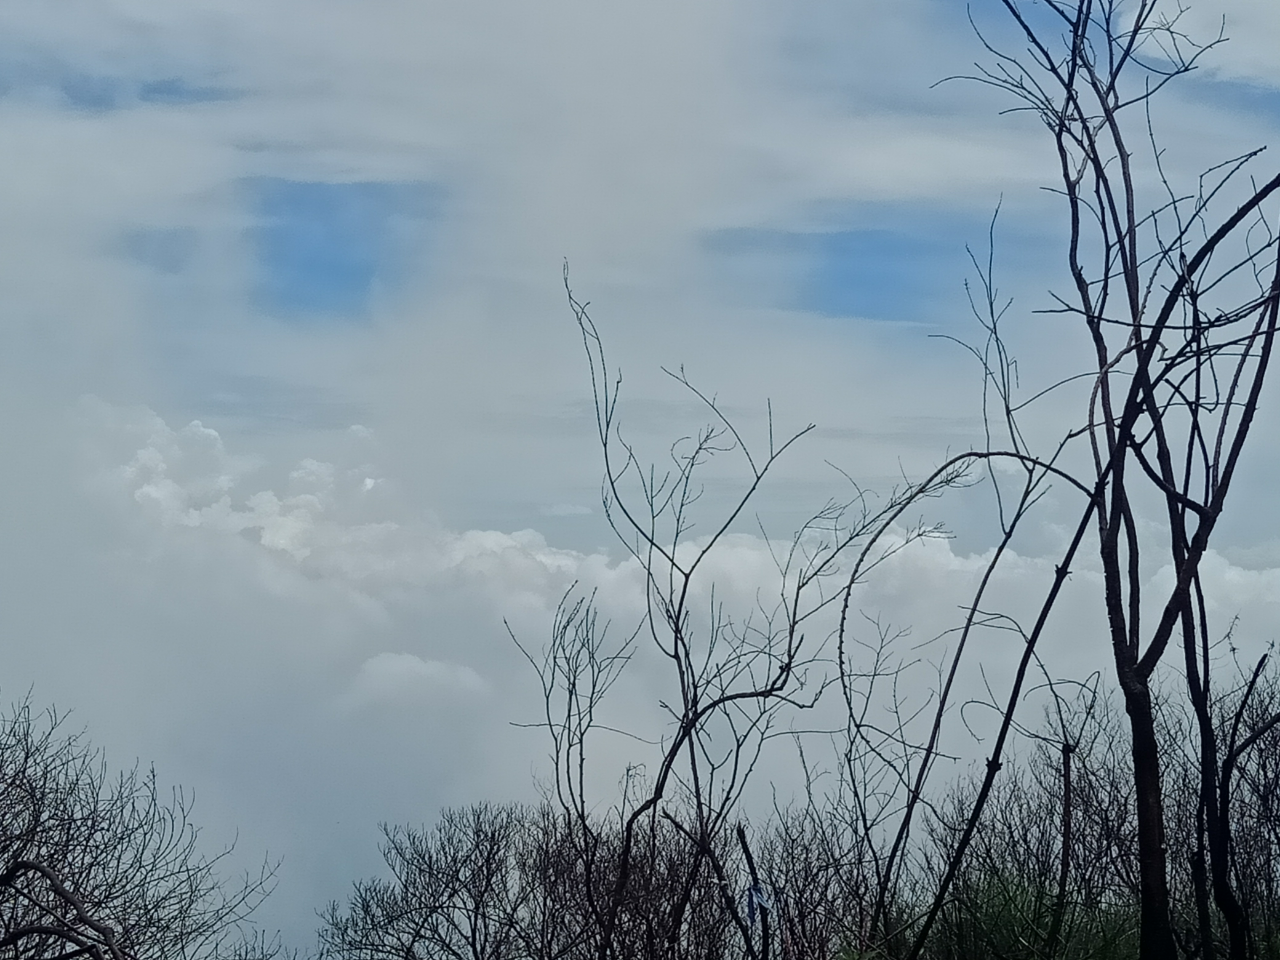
column 297, row 419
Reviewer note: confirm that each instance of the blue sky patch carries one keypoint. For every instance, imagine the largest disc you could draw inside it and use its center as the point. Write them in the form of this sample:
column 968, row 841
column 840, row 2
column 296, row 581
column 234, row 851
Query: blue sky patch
column 175, row 91
column 324, row 248
column 879, row 273
column 92, row 92
column 912, row 271
column 866, row 272
column 166, row 250
column 98, row 94
column 1238, row 96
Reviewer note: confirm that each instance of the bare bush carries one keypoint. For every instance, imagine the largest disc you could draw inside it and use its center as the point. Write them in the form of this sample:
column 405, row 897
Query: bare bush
column 104, row 867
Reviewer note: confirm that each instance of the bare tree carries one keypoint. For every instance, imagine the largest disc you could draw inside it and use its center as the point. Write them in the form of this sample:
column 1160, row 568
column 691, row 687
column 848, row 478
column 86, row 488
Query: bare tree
column 457, row 890
column 732, row 674
column 1175, row 289
column 1178, row 304
column 103, row 867
column 1179, row 307
column 508, row 883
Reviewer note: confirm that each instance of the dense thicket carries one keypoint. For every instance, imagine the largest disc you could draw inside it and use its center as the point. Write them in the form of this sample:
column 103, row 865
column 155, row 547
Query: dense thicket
column 1049, row 874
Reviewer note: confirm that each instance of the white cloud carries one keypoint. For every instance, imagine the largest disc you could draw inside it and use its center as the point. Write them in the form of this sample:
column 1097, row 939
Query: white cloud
column 260, row 625
column 394, row 676
column 566, row 510
column 186, row 480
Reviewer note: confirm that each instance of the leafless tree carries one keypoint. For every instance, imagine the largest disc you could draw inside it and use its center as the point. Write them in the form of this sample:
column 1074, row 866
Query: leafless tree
column 473, row 887
column 731, row 674
column 101, row 867
column 508, row 883
column 1179, row 310
column 1179, row 305
column 1174, row 288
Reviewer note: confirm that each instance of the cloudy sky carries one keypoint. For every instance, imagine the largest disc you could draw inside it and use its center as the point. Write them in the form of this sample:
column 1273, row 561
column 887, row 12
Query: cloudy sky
column 295, row 413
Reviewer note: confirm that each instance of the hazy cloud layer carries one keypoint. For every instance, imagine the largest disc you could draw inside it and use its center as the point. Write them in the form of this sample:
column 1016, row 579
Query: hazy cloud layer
column 295, row 415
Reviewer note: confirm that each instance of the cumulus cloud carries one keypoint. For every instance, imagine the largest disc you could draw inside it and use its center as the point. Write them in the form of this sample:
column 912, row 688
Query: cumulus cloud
column 185, row 479
column 258, row 625
column 394, row 676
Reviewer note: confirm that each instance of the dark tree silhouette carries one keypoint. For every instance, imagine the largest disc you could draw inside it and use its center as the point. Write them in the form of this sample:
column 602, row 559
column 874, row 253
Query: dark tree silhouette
column 103, row 867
